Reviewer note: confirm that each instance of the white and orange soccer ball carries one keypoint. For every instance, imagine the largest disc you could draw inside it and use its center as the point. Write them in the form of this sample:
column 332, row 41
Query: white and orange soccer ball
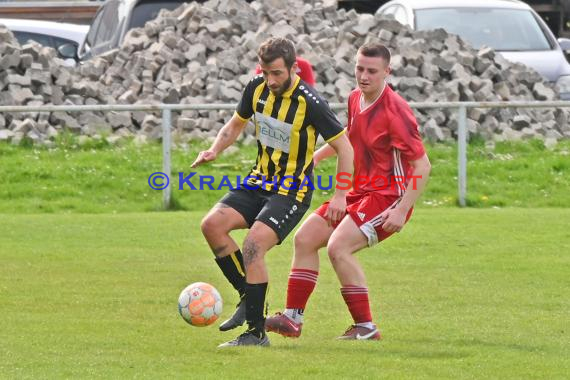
column 200, row 304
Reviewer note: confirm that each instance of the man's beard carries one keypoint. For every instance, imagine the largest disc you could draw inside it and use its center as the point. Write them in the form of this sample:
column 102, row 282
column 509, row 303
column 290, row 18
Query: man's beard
column 281, row 90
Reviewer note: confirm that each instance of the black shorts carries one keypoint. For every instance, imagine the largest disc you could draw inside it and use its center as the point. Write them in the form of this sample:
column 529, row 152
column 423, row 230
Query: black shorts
column 281, row 213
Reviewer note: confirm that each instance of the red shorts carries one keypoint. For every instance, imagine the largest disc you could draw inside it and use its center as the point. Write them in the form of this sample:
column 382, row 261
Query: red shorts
column 365, row 210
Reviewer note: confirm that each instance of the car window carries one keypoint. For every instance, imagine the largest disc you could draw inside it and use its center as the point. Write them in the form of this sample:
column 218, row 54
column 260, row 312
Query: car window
column 90, row 38
column 390, row 10
column 400, row 15
column 501, row 29
column 109, row 23
column 148, row 10
column 24, row 37
column 57, row 42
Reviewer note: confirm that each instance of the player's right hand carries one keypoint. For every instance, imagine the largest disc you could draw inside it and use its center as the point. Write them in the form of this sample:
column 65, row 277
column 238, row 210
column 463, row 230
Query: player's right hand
column 204, row 156
column 336, row 210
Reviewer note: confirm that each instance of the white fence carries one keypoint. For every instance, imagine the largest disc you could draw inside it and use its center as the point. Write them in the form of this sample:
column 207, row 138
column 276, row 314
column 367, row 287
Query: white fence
column 167, row 109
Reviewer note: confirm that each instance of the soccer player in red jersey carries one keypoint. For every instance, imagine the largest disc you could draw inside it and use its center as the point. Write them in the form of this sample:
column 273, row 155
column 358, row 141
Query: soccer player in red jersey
column 391, row 169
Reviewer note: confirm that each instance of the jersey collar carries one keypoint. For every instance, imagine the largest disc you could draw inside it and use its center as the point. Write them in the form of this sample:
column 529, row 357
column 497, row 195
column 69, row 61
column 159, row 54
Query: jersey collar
column 361, row 99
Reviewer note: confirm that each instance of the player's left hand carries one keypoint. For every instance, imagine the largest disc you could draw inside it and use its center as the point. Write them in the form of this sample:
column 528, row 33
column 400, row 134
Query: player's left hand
column 336, row 209
column 394, row 220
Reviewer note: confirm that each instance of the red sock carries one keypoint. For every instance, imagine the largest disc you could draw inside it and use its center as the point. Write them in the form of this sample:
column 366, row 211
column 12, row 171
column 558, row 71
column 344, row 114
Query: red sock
column 356, row 298
column 300, row 286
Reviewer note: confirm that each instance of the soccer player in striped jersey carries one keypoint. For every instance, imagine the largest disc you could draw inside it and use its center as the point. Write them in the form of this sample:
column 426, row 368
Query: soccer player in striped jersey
column 289, row 116
column 391, row 170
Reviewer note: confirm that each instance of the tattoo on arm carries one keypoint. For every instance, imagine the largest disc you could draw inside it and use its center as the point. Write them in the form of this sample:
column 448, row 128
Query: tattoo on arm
column 224, row 137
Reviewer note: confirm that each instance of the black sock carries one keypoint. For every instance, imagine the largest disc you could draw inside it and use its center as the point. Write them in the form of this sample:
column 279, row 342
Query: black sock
column 232, row 267
column 256, row 309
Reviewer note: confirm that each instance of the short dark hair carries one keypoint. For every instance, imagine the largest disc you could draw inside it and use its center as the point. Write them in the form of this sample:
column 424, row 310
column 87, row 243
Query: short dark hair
column 275, row 48
column 375, row 49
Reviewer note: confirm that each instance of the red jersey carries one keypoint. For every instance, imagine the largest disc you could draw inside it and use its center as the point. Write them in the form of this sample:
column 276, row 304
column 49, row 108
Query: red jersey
column 385, row 139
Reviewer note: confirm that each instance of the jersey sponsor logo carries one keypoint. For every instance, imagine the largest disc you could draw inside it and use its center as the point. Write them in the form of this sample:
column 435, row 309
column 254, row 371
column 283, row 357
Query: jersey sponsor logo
column 261, row 101
column 273, row 133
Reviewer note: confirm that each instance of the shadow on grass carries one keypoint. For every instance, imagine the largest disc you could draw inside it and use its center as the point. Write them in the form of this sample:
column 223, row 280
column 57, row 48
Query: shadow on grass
column 511, row 346
column 175, row 205
column 473, row 342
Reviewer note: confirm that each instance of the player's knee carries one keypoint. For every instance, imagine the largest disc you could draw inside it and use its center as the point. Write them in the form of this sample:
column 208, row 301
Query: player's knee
column 335, row 251
column 303, row 241
column 210, row 226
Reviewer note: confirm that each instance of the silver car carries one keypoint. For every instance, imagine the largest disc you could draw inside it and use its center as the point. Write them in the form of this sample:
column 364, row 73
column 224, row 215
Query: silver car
column 511, row 27
column 114, row 19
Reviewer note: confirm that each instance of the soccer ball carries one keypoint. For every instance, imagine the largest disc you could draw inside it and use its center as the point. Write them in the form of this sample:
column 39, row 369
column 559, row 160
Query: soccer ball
column 200, row 304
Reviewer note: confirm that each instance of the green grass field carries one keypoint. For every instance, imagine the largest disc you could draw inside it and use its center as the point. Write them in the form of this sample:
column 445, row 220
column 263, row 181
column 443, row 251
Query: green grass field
column 472, row 293
column 90, row 273
column 96, row 178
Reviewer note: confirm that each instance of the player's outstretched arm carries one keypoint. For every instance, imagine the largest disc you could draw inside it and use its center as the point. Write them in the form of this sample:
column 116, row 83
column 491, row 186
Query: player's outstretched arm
column 226, row 137
column 396, row 217
column 324, row 152
column 345, row 164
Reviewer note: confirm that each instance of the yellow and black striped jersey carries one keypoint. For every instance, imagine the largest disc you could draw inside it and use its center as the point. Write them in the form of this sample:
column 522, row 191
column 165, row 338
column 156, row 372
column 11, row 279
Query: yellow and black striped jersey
column 286, row 129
